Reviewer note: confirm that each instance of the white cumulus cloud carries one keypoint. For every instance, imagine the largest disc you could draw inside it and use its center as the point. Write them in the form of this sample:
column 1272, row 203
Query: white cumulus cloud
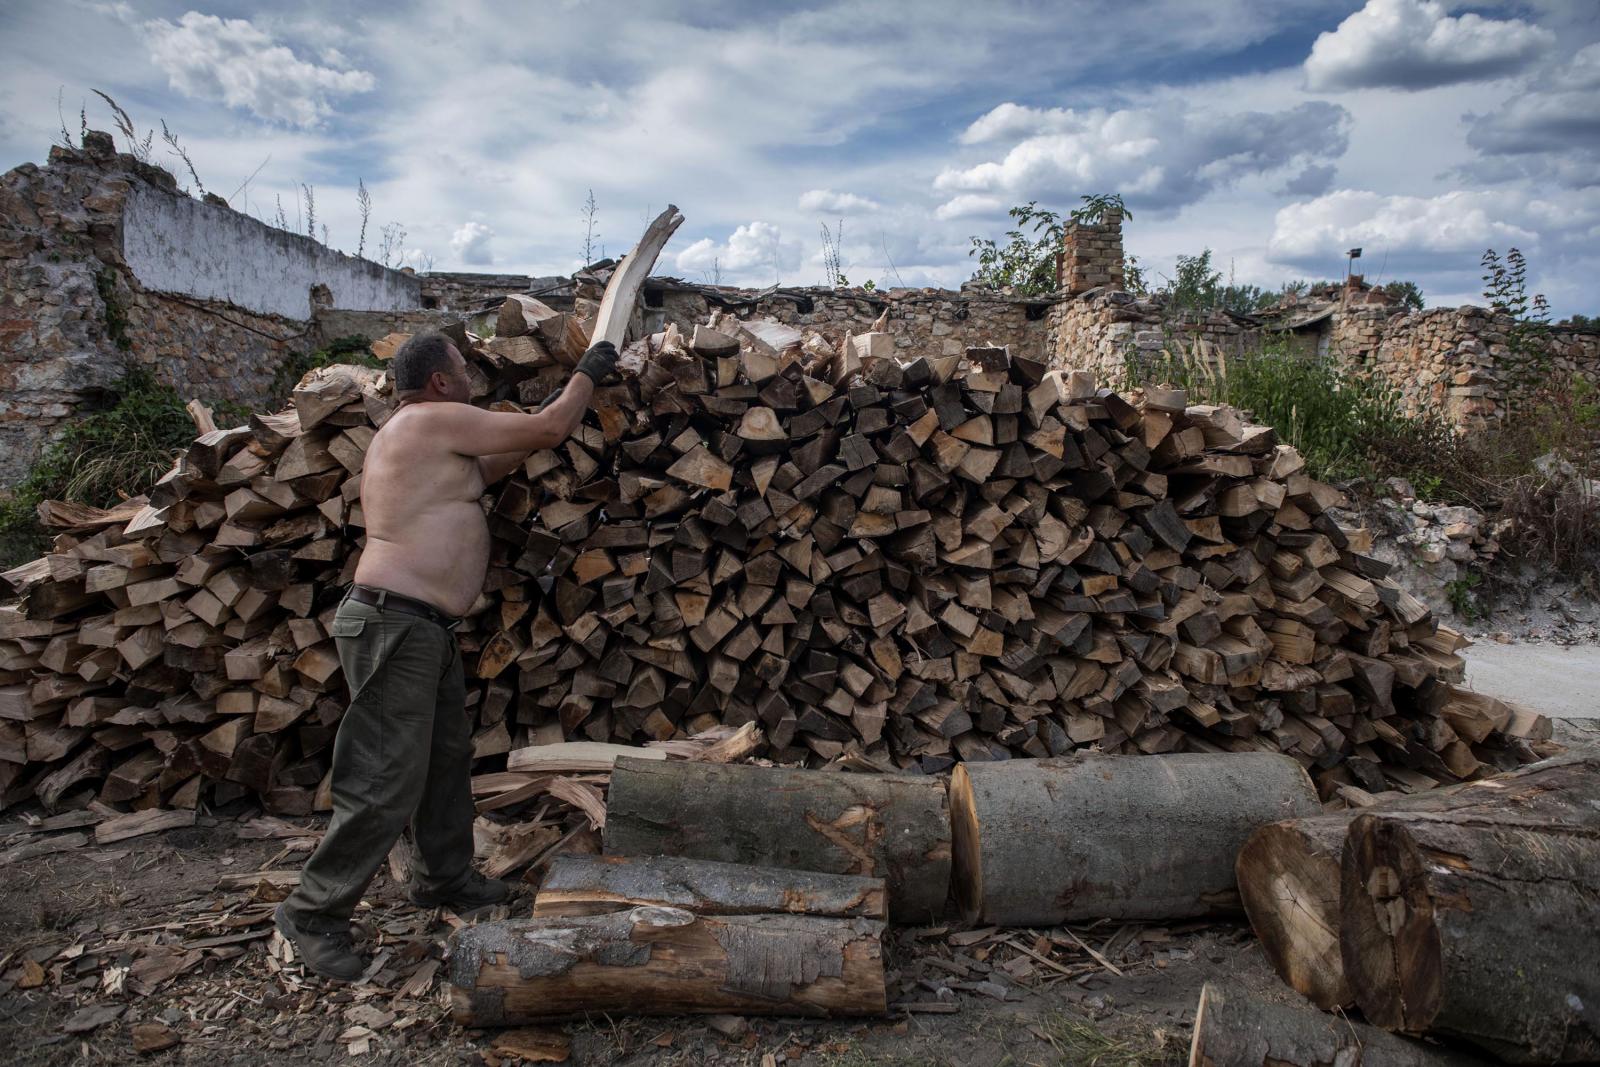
column 836, row 203
column 1164, row 157
column 234, row 61
column 1413, row 44
column 967, row 205
column 1406, row 228
column 470, row 243
column 754, row 252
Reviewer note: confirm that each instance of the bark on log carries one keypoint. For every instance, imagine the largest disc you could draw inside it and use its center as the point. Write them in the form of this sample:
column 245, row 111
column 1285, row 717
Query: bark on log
column 883, row 826
column 1042, row 842
column 1482, row 924
column 1232, row 1029
column 665, row 961
column 596, row 885
column 1289, row 876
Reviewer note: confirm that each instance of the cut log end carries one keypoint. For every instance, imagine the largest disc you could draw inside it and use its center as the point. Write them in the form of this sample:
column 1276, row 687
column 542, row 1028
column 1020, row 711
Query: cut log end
column 1289, row 882
column 1392, row 950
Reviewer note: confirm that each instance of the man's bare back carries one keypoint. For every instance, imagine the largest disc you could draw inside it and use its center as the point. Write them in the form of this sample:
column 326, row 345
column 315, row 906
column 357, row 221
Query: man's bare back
column 426, row 533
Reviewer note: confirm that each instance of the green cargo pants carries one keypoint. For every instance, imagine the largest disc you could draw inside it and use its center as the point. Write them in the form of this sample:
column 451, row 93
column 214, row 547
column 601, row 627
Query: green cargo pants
column 403, row 754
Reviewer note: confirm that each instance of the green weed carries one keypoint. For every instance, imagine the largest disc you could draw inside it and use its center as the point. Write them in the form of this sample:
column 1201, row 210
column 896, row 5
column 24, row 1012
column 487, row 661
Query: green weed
column 121, row 448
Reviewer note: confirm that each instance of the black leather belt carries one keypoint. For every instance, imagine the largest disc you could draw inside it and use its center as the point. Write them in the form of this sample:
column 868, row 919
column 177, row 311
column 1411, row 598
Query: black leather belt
column 384, row 600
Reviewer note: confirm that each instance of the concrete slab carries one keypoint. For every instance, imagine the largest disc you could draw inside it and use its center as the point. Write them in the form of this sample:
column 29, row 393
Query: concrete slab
column 1555, row 680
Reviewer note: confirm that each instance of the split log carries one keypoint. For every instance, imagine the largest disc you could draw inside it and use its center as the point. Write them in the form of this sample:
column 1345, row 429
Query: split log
column 665, row 961
column 1289, row 876
column 1483, row 923
column 894, row 827
column 622, row 291
column 1234, row 1029
column 594, row 885
column 1043, row 842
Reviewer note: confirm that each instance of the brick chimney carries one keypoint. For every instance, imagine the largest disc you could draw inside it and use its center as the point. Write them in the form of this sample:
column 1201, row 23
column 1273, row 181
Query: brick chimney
column 1091, row 255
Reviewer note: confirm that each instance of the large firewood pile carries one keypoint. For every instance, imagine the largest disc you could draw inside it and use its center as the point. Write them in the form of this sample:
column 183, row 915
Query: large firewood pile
column 894, row 564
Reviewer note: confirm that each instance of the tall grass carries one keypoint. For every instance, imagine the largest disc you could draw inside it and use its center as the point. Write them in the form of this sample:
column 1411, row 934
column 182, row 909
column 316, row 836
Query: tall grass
column 1537, row 470
column 122, row 448
column 1346, row 425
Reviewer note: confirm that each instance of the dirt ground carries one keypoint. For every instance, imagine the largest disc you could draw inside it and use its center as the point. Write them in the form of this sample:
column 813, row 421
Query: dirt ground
column 130, row 932
column 109, row 949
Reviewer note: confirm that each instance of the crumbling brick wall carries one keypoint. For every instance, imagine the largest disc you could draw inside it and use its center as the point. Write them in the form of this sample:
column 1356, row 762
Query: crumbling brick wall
column 1091, row 255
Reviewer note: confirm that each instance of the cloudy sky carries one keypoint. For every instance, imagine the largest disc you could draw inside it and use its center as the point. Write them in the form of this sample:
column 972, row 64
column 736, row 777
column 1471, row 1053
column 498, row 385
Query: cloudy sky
column 1276, row 132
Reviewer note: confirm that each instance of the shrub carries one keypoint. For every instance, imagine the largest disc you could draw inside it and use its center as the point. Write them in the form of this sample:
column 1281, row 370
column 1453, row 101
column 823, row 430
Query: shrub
column 121, row 448
column 1345, row 425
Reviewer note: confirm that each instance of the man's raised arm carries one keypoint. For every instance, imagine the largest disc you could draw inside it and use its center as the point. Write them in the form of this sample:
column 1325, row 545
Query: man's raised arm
column 502, row 439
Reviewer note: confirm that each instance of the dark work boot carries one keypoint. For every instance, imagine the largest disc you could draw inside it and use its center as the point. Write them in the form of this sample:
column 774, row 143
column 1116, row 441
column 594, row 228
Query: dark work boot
column 332, row 956
column 476, row 892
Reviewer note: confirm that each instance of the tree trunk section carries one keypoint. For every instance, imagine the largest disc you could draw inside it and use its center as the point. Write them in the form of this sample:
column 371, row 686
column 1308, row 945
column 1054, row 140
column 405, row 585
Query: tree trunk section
column 1232, row 1029
column 665, row 961
column 879, row 826
column 1482, row 924
column 596, row 885
column 1289, row 874
column 1042, row 842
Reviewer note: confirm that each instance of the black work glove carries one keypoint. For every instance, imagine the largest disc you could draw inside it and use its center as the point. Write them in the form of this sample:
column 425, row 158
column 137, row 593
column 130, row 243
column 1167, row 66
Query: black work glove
column 599, row 361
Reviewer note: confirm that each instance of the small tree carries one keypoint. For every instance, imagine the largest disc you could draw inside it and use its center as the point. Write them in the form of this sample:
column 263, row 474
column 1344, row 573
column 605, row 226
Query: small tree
column 364, row 206
column 590, row 234
column 832, row 257
column 1505, row 287
column 1025, row 264
column 1196, row 284
column 1406, row 294
column 1096, row 206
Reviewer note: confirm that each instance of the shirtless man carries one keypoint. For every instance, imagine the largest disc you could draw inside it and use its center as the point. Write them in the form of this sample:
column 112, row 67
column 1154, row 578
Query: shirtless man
column 403, row 752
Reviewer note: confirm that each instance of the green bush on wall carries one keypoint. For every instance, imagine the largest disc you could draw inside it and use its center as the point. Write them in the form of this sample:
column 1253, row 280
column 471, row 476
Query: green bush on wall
column 123, row 447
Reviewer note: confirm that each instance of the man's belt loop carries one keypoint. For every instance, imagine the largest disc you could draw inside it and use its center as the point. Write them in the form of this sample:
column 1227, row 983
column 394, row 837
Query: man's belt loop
column 383, row 595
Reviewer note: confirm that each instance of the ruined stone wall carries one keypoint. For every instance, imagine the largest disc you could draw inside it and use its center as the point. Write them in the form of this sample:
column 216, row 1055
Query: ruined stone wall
column 173, row 243
column 939, row 321
column 1112, row 333
column 75, row 318
column 1457, row 362
column 467, row 293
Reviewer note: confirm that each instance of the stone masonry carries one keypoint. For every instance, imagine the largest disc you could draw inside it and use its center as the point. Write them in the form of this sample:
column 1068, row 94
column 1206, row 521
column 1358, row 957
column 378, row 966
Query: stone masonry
column 74, row 317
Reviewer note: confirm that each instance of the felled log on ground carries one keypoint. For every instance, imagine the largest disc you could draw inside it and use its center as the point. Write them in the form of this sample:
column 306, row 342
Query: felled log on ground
column 595, row 885
column 1288, row 872
column 894, row 827
column 1234, row 1029
column 1482, row 923
column 1043, row 842
column 665, row 961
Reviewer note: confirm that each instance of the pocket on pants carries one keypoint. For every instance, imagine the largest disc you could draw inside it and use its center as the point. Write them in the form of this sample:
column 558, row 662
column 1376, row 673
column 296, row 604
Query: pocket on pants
column 347, row 626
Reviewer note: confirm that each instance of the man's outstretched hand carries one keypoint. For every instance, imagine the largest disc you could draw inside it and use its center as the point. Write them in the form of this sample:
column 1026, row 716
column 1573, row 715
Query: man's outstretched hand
column 599, row 361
